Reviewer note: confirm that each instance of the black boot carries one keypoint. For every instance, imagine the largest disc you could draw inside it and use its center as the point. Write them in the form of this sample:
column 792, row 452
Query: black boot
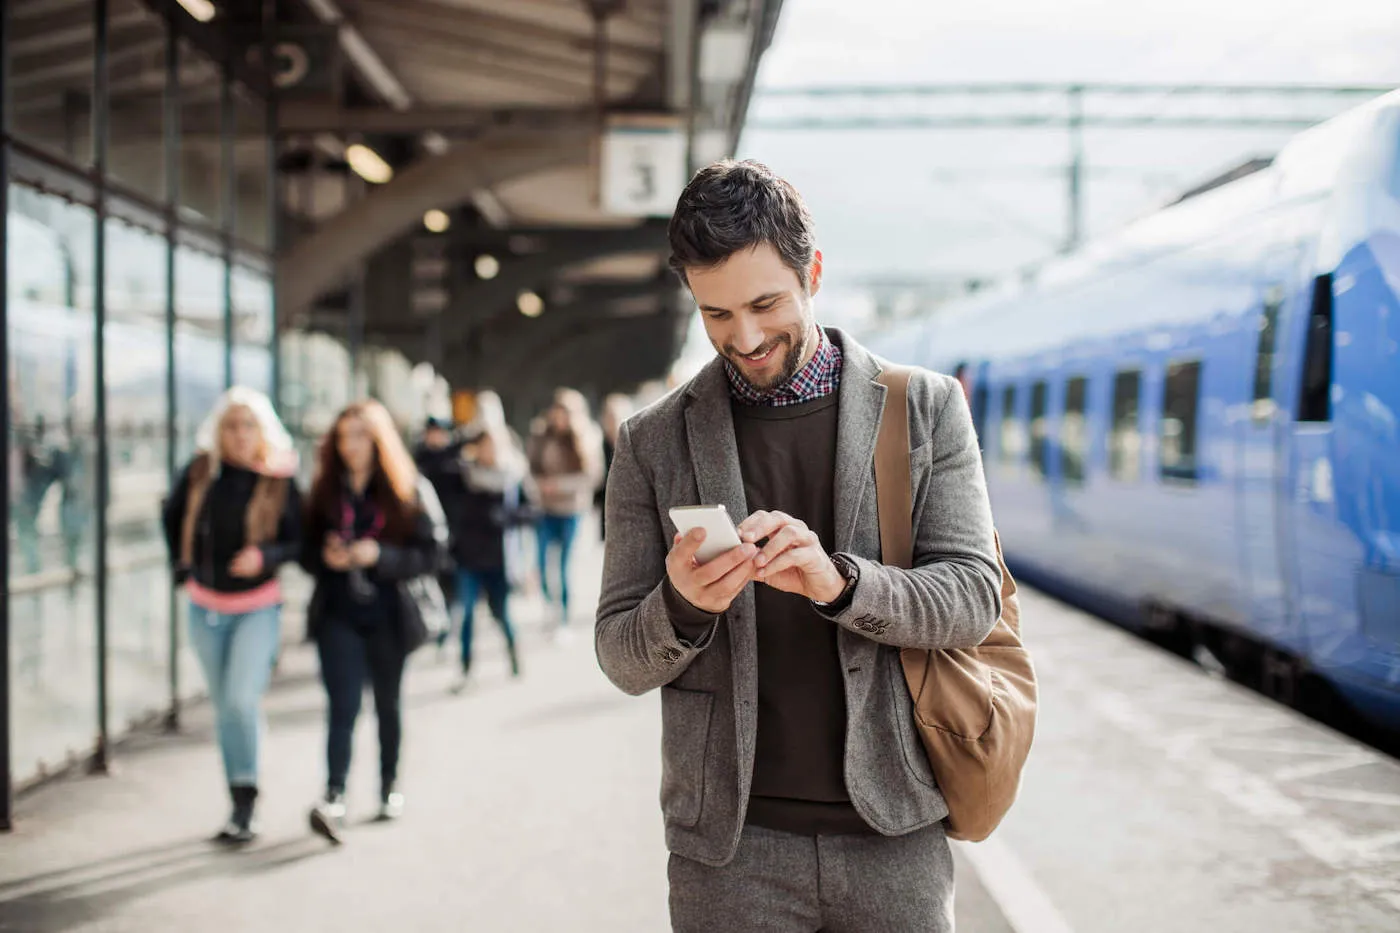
column 239, row 829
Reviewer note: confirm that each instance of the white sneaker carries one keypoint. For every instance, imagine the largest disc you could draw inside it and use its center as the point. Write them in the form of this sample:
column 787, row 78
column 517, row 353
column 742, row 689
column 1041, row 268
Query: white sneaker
column 327, row 818
column 392, row 806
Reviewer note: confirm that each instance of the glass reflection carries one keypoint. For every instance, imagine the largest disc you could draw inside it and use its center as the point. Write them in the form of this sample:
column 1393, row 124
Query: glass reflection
column 199, row 343
column 138, row 624
column 50, row 418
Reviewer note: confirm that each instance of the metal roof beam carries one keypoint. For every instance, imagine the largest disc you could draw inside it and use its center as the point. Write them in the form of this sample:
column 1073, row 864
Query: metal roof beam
column 313, row 117
column 316, row 263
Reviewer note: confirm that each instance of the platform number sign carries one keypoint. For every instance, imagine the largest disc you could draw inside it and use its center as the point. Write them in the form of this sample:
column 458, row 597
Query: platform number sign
column 643, row 170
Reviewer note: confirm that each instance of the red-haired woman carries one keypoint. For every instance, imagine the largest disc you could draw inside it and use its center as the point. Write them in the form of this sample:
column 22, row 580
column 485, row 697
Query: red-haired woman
column 375, row 537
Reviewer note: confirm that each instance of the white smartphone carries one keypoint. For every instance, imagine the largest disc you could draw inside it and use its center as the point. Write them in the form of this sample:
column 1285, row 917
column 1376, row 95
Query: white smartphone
column 720, row 533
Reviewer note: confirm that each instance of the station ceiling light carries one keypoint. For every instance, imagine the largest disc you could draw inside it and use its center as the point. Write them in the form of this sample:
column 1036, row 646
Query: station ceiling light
column 368, row 164
column 487, row 267
column 437, row 221
column 201, row 10
column 530, row 304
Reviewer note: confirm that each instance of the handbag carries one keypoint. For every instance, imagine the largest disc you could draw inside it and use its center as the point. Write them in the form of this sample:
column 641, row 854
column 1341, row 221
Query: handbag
column 974, row 708
column 424, row 615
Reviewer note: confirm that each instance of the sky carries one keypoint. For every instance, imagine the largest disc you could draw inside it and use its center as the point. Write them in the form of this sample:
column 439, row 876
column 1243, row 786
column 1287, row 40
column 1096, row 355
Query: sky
column 984, row 203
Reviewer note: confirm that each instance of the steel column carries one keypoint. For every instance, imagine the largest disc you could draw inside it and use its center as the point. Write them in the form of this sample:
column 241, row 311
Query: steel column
column 6, row 786
column 228, row 128
column 100, row 114
column 172, row 408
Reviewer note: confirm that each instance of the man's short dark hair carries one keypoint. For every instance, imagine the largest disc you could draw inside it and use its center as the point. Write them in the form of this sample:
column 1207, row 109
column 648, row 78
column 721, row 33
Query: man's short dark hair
column 733, row 206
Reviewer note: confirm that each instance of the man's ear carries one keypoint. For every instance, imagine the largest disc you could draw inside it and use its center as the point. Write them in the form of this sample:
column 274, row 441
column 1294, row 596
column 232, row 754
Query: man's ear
column 814, row 274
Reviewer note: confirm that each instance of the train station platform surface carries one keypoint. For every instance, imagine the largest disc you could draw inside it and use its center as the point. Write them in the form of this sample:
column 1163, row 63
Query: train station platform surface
column 1158, row 798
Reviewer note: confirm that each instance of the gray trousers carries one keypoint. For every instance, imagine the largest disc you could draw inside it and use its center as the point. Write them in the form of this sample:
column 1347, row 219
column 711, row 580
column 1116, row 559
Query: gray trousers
column 786, row 883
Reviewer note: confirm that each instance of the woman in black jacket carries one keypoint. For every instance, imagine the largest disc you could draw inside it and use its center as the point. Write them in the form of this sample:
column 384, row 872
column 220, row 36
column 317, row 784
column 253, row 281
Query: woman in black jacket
column 374, row 539
column 489, row 509
column 232, row 520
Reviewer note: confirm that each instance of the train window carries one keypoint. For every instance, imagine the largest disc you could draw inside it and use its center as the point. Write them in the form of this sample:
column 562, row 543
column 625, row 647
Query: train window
column 1010, row 427
column 1074, row 433
column 1179, row 404
column 1039, row 426
column 1315, row 399
column 1125, row 439
column 1264, row 361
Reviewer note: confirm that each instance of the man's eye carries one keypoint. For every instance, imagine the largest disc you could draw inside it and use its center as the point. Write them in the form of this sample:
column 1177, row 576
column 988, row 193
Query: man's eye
column 764, row 307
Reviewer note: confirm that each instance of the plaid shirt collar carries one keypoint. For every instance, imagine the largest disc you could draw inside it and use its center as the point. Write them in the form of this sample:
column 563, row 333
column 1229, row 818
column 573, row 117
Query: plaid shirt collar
column 818, row 379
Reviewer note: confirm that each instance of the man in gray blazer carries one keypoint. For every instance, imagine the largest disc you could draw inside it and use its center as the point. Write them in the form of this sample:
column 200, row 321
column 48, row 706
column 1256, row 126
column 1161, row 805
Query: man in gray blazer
column 796, row 793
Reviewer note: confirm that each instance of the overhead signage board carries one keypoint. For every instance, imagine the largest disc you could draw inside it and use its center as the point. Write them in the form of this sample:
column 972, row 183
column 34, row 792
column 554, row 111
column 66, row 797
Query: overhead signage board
column 643, row 167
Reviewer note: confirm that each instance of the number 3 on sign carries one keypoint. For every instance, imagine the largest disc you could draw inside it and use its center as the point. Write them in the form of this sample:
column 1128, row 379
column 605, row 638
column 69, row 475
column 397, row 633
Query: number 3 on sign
column 645, row 188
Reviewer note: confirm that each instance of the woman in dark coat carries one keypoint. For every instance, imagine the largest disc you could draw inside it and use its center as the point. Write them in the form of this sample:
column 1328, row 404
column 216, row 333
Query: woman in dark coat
column 490, row 508
column 375, row 538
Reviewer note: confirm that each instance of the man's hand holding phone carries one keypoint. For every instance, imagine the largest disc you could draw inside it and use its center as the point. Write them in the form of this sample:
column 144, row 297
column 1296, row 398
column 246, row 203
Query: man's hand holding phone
column 793, row 559
column 713, row 585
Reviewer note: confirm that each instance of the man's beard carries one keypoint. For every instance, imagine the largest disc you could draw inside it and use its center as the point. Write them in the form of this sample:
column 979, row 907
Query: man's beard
column 792, row 360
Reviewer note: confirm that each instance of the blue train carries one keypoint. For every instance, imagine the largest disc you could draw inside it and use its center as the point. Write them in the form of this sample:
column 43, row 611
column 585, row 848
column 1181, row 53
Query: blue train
column 1193, row 428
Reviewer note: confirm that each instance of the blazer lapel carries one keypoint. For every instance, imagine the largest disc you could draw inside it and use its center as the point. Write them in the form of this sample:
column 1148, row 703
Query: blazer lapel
column 714, row 452
column 862, row 404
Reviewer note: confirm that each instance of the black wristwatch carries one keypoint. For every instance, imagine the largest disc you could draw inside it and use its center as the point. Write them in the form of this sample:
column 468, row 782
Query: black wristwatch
column 851, row 571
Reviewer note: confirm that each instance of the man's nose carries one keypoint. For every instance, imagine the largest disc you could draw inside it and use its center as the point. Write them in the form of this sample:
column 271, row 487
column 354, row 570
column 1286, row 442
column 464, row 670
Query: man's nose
column 749, row 336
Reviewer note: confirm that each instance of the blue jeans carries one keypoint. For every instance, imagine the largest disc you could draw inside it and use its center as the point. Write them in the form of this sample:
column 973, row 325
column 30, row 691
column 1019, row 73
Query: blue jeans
column 560, row 530
column 470, row 583
column 237, row 653
column 349, row 656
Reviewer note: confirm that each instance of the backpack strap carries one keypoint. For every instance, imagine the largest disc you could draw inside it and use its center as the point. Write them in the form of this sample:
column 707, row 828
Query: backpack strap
column 894, row 486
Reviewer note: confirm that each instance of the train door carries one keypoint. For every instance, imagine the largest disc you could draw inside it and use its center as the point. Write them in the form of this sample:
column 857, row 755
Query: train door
column 1262, row 435
column 1310, row 484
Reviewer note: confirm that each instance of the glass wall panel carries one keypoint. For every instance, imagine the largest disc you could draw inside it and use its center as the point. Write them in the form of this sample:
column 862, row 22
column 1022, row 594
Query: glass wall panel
column 252, row 328
column 315, row 385
column 53, row 697
column 199, row 342
column 250, row 163
column 201, row 152
column 136, row 70
column 138, row 625
column 51, row 75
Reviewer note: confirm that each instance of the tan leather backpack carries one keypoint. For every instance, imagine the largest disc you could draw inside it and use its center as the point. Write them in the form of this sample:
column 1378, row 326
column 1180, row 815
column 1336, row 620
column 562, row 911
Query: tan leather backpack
column 974, row 707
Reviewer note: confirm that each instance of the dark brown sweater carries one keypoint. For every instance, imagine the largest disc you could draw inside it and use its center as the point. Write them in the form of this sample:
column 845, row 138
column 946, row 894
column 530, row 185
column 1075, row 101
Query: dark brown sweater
column 787, row 457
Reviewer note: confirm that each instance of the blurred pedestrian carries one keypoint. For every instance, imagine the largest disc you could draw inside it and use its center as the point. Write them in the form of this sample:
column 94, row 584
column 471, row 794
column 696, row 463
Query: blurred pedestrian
column 566, row 467
column 375, row 534
column 616, row 408
column 232, row 520
column 493, row 503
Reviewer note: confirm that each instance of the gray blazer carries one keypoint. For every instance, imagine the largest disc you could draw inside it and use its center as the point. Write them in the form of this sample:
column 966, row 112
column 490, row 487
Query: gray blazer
column 682, row 451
